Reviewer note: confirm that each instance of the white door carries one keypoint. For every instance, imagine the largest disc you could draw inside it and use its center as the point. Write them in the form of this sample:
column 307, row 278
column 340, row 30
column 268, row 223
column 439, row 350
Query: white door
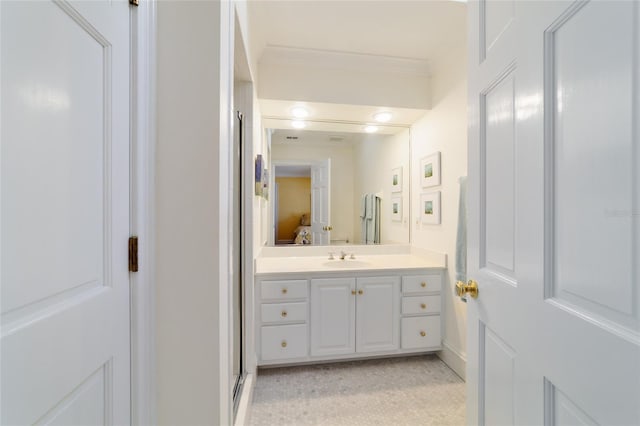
column 554, row 222
column 320, row 202
column 377, row 314
column 65, row 212
column 333, row 316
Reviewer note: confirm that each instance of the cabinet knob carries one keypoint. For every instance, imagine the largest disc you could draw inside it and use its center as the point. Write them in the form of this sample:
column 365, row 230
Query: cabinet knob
column 353, row 292
column 423, row 333
column 423, row 284
column 423, row 305
column 283, row 344
column 361, row 292
column 284, row 314
column 284, row 290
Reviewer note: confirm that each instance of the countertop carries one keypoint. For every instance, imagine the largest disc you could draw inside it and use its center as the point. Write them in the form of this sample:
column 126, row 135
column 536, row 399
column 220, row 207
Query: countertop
column 318, row 264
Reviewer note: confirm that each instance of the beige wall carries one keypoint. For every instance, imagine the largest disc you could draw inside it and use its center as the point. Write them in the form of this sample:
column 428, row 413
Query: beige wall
column 191, row 216
column 374, row 159
column 444, row 129
column 294, row 200
column 341, row 156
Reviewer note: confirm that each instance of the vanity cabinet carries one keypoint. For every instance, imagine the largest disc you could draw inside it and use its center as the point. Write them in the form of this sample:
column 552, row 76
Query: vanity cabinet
column 350, row 315
column 377, row 320
column 347, row 315
column 333, row 316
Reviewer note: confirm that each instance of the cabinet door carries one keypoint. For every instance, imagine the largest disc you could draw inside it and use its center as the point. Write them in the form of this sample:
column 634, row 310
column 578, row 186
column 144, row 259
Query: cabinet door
column 378, row 314
column 333, row 316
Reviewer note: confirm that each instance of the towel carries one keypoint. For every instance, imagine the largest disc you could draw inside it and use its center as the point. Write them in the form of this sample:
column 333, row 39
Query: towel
column 461, row 237
column 371, row 199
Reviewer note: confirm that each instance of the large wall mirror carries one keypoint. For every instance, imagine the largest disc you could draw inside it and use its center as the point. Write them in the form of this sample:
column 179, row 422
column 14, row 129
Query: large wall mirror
column 338, row 183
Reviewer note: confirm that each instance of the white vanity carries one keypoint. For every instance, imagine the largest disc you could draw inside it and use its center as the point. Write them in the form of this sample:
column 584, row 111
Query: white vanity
column 310, row 308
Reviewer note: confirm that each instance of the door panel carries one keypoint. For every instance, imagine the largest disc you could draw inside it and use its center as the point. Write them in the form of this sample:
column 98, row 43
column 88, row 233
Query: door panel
column 589, row 160
column 377, row 314
column 497, row 108
column 556, row 338
column 333, row 316
column 65, row 212
column 498, row 375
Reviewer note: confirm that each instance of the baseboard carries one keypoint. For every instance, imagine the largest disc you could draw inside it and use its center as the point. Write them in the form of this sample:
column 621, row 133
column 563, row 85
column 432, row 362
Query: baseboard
column 454, row 359
column 244, row 407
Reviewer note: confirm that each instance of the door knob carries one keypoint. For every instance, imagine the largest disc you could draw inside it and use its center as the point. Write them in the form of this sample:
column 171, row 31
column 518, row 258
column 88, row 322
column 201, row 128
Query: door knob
column 470, row 289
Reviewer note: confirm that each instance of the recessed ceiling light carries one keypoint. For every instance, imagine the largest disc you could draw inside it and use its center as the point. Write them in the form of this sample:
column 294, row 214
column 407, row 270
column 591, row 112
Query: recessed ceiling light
column 299, row 112
column 298, row 124
column 382, row 117
column 371, row 129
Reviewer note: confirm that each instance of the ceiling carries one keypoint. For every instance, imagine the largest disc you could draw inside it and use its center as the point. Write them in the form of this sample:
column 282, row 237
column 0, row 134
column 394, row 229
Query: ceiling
column 418, row 29
column 421, row 30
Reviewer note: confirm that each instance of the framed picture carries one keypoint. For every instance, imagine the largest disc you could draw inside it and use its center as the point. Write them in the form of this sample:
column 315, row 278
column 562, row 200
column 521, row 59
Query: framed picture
column 430, row 208
column 430, row 170
column 396, row 209
column 265, row 184
column 259, row 174
column 396, row 180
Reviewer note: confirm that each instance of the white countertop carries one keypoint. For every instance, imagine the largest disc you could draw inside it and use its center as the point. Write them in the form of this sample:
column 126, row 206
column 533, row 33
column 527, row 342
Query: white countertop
column 298, row 264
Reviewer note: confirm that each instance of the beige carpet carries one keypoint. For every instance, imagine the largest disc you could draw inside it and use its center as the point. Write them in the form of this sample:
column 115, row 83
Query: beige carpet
column 396, row 391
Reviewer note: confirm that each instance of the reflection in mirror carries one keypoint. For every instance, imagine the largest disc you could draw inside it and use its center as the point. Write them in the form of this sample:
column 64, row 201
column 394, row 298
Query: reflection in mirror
column 339, row 187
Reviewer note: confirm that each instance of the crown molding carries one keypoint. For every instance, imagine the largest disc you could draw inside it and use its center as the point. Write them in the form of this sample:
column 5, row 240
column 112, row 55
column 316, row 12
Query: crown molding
column 346, row 61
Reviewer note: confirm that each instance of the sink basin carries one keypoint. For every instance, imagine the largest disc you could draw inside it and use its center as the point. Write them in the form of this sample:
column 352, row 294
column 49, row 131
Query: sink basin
column 346, row 264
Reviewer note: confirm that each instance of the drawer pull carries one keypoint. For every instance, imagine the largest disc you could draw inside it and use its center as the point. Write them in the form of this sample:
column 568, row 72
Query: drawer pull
column 423, row 333
column 423, row 284
column 423, row 305
column 283, row 344
column 284, row 290
column 284, row 314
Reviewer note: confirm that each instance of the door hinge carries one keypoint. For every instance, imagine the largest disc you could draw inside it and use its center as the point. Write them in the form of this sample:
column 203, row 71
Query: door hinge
column 134, row 2
column 133, row 254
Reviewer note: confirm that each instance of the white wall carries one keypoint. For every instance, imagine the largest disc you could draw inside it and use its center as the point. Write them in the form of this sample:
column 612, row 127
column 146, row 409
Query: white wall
column 192, row 232
column 342, row 194
column 444, row 129
column 374, row 158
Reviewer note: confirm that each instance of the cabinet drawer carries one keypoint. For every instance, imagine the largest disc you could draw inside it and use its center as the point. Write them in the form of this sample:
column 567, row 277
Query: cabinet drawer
column 285, row 289
column 284, row 341
column 421, row 283
column 421, row 332
column 420, row 305
column 283, row 312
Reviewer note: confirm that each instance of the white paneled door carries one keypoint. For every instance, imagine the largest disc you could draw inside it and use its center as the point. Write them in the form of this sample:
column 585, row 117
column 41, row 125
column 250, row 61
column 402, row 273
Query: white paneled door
column 554, row 213
column 65, row 212
column 321, row 202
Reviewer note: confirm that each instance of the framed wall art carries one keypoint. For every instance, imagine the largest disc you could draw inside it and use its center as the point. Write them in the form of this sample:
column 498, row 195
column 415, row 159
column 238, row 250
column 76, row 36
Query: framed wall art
column 430, row 208
column 396, row 179
column 430, row 170
column 396, row 209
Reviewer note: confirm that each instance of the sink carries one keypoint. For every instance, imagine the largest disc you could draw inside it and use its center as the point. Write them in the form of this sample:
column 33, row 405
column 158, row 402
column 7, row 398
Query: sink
column 346, row 264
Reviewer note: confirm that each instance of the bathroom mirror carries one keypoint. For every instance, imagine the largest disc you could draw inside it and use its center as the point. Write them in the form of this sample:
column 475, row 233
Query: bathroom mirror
column 336, row 183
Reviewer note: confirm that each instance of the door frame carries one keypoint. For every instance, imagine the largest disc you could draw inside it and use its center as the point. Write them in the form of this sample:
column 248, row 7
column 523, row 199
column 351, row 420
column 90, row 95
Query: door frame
column 142, row 219
column 273, row 211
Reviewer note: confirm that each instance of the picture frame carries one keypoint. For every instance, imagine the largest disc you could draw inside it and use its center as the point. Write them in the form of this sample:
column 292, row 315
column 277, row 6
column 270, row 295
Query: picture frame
column 396, row 179
column 265, row 184
column 430, row 170
column 396, row 209
column 259, row 175
column 430, row 208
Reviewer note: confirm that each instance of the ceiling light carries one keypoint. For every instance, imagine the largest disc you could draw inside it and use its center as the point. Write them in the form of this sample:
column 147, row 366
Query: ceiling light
column 298, row 124
column 299, row 112
column 371, row 129
column 382, row 117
